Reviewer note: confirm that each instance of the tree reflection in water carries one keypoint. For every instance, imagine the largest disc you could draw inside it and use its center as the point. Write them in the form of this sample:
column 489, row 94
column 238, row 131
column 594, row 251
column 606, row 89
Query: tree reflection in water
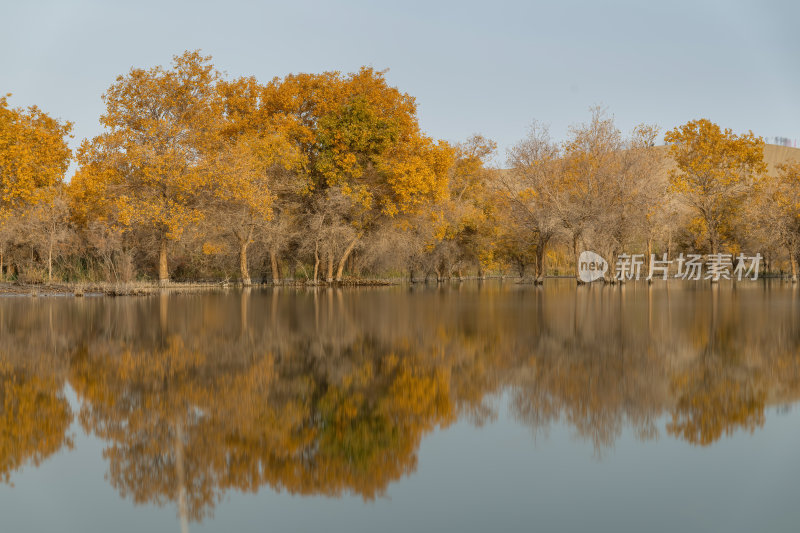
column 330, row 392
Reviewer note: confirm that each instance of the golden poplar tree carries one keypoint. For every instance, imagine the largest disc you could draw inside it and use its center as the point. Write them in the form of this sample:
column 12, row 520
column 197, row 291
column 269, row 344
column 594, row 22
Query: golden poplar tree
column 34, row 157
column 359, row 137
column 715, row 169
column 160, row 124
column 250, row 166
column 33, row 154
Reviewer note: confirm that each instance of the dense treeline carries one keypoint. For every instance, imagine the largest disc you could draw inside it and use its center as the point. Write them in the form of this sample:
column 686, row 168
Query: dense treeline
column 317, row 176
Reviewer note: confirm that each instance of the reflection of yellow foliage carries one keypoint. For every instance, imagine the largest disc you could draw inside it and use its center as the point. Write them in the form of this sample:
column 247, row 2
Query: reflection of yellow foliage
column 711, row 404
column 180, row 417
column 148, row 405
column 34, row 419
column 371, row 426
column 343, row 405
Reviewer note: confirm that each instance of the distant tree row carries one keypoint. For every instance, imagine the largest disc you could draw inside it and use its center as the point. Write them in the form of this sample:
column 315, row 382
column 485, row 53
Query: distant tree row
column 320, row 176
column 707, row 191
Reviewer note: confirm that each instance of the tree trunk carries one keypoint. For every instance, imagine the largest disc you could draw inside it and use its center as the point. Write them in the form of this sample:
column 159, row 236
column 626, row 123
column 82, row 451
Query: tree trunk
column 50, row 262
column 345, row 255
column 243, row 263
column 793, row 261
column 329, row 274
column 316, row 262
column 611, row 274
column 575, row 254
column 713, row 236
column 2, row 273
column 163, row 270
column 540, row 261
column 273, row 259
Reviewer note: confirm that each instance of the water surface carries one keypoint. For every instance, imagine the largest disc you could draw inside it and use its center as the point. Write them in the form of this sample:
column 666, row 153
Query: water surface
column 471, row 407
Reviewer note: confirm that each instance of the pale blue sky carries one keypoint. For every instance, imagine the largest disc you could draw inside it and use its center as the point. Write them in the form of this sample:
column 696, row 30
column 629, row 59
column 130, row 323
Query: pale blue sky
column 487, row 67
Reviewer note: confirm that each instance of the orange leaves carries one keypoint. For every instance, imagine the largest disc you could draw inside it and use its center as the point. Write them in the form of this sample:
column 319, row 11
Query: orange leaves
column 788, row 193
column 238, row 176
column 357, row 133
column 183, row 147
column 33, row 155
column 714, row 171
column 353, row 137
column 160, row 124
column 371, row 146
column 418, row 176
column 709, row 159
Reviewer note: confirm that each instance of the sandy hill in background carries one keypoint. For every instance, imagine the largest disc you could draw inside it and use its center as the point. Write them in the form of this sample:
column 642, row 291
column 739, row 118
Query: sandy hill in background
column 774, row 155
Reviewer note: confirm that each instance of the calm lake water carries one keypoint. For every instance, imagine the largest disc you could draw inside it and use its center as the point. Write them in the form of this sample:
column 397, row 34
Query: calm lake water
column 472, row 407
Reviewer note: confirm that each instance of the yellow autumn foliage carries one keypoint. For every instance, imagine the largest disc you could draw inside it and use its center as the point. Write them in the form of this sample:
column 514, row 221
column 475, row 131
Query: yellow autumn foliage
column 715, row 170
column 34, row 155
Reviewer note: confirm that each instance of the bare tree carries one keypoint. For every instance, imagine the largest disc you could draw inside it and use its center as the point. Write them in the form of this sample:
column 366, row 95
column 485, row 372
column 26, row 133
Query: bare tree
column 47, row 224
column 774, row 213
column 531, row 189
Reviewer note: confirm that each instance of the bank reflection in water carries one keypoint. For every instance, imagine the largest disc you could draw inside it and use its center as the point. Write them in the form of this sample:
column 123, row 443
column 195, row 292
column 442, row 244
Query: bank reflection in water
column 330, row 392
